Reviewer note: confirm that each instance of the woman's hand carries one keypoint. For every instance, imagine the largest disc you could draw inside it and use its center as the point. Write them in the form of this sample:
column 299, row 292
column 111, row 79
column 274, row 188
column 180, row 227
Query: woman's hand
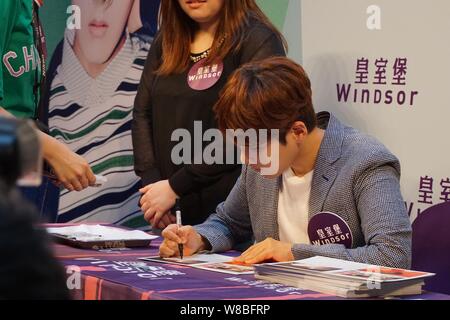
column 166, row 220
column 156, row 201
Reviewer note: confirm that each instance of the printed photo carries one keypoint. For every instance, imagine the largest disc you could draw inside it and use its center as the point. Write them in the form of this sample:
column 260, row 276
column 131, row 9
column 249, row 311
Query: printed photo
column 397, row 273
column 93, row 80
column 226, row 267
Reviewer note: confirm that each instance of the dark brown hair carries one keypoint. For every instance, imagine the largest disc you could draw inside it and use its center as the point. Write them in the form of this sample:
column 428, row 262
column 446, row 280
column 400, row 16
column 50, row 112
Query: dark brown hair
column 177, row 30
column 266, row 94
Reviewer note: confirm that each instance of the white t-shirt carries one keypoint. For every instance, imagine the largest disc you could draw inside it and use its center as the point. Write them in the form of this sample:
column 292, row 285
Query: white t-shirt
column 293, row 207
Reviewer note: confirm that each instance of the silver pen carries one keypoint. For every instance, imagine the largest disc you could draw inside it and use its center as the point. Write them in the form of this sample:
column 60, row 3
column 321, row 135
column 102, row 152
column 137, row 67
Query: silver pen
column 179, row 224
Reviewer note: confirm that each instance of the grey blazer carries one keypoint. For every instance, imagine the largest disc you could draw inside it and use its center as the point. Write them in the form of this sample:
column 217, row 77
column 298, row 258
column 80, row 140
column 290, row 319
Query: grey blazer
column 355, row 176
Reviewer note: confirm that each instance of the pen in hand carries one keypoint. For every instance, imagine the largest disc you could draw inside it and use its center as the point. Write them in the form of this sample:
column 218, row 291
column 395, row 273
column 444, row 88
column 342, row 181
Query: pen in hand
column 179, row 224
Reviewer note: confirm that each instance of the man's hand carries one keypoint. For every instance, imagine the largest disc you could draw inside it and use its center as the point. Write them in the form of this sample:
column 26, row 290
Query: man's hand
column 186, row 235
column 268, row 249
column 156, row 201
column 72, row 171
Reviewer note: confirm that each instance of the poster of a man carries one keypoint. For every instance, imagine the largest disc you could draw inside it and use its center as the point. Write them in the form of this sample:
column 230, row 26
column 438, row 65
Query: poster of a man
column 93, row 79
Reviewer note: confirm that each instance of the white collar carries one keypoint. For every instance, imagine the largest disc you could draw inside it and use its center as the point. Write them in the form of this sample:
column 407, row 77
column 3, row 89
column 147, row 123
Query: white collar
column 80, row 85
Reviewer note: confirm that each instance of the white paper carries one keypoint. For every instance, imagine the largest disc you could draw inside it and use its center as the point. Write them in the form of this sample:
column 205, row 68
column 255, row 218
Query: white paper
column 97, row 232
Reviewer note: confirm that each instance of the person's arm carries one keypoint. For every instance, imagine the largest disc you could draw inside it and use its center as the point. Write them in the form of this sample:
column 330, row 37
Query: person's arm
column 231, row 223
column 144, row 158
column 71, row 170
column 4, row 113
column 384, row 222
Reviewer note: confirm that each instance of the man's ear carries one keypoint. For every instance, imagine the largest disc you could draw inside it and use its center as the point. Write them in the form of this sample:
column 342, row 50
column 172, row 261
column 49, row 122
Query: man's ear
column 299, row 130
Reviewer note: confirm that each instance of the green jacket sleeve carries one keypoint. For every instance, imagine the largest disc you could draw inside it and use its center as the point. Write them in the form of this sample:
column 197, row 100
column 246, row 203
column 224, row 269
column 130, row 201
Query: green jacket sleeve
column 8, row 11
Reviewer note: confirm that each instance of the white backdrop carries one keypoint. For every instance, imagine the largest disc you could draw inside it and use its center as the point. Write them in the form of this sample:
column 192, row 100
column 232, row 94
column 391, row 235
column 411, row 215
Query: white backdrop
column 344, row 47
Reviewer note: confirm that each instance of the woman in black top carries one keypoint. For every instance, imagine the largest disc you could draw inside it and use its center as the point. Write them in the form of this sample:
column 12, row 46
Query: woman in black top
column 196, row 37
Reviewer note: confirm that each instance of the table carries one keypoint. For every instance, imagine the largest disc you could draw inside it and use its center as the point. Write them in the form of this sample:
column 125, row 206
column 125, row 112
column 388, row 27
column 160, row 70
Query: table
column 119, row 274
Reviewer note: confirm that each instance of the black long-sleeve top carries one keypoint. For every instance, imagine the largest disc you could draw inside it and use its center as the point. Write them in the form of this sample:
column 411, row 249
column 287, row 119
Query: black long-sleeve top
column 166, row 103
